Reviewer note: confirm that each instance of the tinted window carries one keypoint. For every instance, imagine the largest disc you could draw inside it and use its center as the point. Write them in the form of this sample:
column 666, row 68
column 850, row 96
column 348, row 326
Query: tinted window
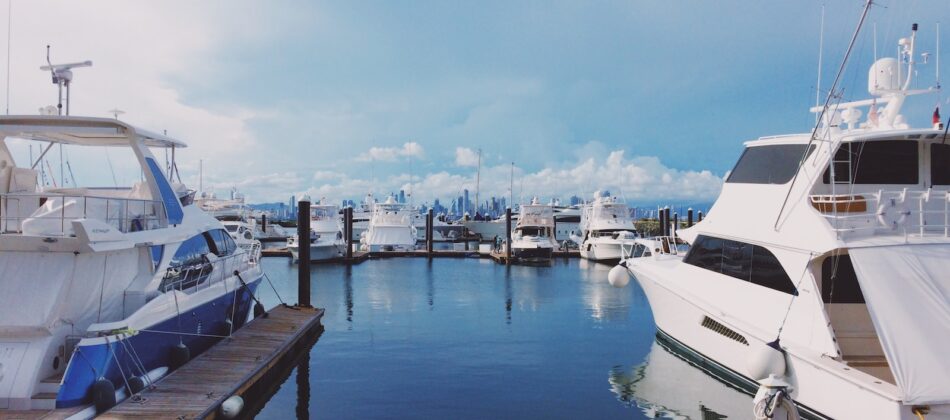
column 191, row 251
column 223, row 243
column 740, row 260
column 768, row 164
column 876, row 162
column 940, row 164
column 189, row 267
column 839, row 283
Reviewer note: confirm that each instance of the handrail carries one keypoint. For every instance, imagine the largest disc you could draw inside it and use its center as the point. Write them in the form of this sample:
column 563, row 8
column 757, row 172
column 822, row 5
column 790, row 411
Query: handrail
column 183, row 278
column 125, row 214
column 896, row 212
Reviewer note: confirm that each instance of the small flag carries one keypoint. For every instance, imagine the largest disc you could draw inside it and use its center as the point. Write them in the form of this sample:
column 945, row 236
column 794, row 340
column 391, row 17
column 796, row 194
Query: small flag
column 936, row 120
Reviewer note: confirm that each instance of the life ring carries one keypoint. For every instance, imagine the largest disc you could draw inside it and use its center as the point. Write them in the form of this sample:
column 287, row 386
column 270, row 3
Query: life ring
column 892, row 214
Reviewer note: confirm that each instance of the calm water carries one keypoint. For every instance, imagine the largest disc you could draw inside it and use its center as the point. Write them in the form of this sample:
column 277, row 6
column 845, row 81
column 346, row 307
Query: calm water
column 468, row 338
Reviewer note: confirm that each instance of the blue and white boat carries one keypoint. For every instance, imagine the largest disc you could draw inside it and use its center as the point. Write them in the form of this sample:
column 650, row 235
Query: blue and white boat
column 104, row 289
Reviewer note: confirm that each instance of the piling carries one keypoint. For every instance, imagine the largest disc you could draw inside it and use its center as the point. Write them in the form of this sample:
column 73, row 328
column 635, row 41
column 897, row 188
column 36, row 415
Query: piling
column 508, row 235
column 264, row 223
column 689, row 217
column 666, row 221
column 660, row 218
column 303, row 252
column 429, row 232
column 348, row 227
column 699, row 217
column 676, row 224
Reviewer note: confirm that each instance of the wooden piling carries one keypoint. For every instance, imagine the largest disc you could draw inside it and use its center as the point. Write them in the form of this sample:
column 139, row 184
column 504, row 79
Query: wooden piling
column 303, row 253
column 348, row 227
column 508, row 235
column 689, row 217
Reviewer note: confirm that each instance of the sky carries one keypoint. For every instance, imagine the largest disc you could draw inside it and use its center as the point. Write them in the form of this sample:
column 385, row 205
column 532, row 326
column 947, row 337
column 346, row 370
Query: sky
column 649, row 99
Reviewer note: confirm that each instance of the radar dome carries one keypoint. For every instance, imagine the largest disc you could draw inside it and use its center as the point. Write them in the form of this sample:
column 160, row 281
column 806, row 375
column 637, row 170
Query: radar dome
column 883, row 76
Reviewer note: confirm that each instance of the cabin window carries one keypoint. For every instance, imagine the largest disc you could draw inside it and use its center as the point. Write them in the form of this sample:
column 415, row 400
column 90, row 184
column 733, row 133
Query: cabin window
column 876, row 162
column 775, row 164
column 940, row 164
column 189, row 266
column 223, row 243
column 751, row 263
column 839, row 283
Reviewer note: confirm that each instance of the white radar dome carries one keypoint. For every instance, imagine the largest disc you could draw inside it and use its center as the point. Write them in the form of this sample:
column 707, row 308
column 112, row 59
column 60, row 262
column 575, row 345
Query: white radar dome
column 883, row 76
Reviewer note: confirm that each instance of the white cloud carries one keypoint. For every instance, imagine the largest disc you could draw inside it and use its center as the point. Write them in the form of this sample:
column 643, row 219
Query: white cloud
column 637, row 179
column 389, row 154
column 466, row 157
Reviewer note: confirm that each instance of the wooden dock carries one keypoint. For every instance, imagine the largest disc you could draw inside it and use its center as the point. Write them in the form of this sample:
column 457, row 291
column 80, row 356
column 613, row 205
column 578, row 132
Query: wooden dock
column 232, row 367
column 500, row 257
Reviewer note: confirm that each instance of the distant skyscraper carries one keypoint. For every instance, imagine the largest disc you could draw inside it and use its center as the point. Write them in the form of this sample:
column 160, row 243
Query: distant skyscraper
column 466, row 207
column 402, row 196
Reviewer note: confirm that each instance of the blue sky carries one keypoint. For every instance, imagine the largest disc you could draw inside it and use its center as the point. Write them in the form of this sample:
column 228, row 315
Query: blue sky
column 335, row 99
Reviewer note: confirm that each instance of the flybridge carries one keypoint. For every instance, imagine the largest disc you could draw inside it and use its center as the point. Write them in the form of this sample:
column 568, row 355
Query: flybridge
column 889, row 81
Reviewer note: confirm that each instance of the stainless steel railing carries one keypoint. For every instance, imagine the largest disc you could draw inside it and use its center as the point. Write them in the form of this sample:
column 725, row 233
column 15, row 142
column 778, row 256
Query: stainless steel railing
column 52, row 213
column 896, row 212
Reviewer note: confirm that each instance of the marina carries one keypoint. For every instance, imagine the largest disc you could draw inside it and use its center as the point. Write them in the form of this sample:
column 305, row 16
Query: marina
column 469, row 228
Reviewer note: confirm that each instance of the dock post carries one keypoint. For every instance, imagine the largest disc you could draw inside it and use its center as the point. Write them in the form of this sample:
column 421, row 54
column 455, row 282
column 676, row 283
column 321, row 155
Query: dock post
column 659, row 218
column 348, row 228
column 303, row 252
column 699, row 217
column 429, row 232
column 263, row 223
column 676, row 224
column 666, row 221
column 508, row 235
column 689, row 217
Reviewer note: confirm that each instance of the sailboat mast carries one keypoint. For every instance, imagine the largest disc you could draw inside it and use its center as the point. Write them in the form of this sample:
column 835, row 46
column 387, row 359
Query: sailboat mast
column 478, row 177
column 511, row 186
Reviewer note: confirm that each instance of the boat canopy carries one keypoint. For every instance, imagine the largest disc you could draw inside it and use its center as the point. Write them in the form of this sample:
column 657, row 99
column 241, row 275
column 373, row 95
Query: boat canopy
column 907, row 291
column 83, row 131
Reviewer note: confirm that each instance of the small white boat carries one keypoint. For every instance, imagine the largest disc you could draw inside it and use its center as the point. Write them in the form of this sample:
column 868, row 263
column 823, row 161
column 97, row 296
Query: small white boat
column 326, row 234
column 606, row 229
column 533, row 238
column 390, row 228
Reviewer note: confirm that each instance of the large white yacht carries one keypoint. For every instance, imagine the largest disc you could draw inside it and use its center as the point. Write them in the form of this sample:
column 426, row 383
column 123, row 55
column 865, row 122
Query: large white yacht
column 533, row 238
column 106, row 288
column 326, row 239
column 390, row 228
column 820, row 272
column 606, row 229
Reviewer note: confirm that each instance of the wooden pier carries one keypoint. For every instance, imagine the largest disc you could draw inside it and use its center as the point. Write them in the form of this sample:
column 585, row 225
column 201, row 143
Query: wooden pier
column 232, row 367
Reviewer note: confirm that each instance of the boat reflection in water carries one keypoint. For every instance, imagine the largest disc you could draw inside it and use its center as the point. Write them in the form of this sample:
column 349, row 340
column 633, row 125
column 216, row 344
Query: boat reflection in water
column 668, row 387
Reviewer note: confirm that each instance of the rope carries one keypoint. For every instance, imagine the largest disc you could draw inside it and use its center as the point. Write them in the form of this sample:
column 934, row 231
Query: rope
column 792, row 300
column 238, row 274
column 184, row 333
column 233, row 308
column 274, row 289
column 178, row 316
column 119, row 365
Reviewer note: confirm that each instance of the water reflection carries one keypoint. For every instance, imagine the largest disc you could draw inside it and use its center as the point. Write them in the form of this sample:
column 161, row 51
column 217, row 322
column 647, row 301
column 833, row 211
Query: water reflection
column 508, row 295
column 348, row 295
column 602, row 300
column 666, row 386
column 303, row 386
column 430, row 285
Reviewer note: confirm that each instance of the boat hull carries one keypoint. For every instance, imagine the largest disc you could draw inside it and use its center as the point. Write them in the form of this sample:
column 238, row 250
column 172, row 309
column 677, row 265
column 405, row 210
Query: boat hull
column 538, row 255
column 820, row 384
column 319, row 252
column 603, row 251
column 121, row 356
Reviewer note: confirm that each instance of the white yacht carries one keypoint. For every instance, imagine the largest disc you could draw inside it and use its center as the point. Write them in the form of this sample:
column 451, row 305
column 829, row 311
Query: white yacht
column 106, row 288
column 390, row 228
column 819, row 274
column 606, row 230
column 326, row 234
column 533, row 238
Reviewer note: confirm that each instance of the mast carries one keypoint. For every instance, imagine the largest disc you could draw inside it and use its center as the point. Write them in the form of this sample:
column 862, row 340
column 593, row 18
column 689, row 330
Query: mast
column 511, row 186
column 478, row 176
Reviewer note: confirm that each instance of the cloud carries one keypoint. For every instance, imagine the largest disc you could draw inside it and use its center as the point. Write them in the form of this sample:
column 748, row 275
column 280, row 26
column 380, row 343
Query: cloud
column 389, row 154
column 637, row 179
column 466, row 157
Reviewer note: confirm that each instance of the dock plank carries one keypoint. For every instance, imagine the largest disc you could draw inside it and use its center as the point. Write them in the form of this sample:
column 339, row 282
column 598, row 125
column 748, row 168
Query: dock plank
column 229, row 368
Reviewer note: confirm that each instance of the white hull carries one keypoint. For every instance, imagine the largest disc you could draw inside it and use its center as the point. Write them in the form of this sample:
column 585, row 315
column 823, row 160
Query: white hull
column 821, row 383
column 606, row 250
column 319, row 251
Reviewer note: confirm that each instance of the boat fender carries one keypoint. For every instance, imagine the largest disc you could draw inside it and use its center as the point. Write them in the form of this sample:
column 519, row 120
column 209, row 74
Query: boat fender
column 136, row 384
column 180, row 355
column 772, row 401
column 259, row 310
column 232, row 406
column 765, row 360
column 618, row 276
column 892, row 214
column 103, row 395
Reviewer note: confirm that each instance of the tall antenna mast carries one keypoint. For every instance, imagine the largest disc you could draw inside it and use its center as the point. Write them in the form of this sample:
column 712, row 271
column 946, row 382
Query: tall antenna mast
column 821, row 47
column 9, row 31
column 824, row 109
column 511, row 187
column 478, row 176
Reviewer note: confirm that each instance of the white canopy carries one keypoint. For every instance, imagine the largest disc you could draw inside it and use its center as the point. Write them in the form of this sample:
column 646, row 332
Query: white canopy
column 85, row 131
column 907, row 290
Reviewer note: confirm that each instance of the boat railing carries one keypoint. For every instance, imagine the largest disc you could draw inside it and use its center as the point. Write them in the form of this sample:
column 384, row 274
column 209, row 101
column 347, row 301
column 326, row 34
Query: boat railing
column 894, row 212
column 195, row 276
column 52, row 214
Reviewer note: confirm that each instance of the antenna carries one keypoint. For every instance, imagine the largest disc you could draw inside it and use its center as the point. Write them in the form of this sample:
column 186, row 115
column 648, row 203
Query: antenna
column 821, row 47
column 478, row 176
column 116, row 112
column 511, row 187
column 62, row 75
column 9, row 30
